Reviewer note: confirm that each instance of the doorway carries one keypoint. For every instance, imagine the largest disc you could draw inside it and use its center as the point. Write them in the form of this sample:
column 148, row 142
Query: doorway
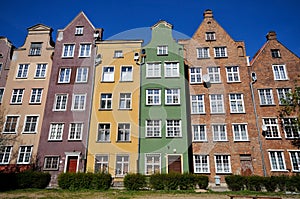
column 174, row 164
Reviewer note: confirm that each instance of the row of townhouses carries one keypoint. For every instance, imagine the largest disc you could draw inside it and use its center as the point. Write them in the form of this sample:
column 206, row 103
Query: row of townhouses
column 199, row 105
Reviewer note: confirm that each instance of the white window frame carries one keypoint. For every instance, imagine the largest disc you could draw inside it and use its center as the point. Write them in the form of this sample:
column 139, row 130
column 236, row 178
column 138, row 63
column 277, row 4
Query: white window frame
column 5, row 154
column 266, row 96
column 68, row 50
column 210, row 36
column 221, row 164
column 173, row 128
column 64, row 75
column 201, row 163
column 124, row 132
column 103, row 134
column 275, row 53
column 195, row 75
column 60, row 104
column 102, row 160
column 171, row 69
column 280, row 72
column 218, row 134
column 162, row 50
column 197, row 104
column 57, row 133
column 122, row 165
column 125, row 101
column 283, row 94
column 272, row 128
column 240, row 132
column 36, row 95
column 214, row 74
column 203, row 53
column 78, row 102
column 75, row 131
column 24, row 157
column 153, row 98
column 236, row 101
column 276, row 156
column 41, row 71
column 220, row 51
column 82, row 74
column 295, row 160
column 1, row 94
column 85, row 50
column 153, row 128
column 216, row 104
column 126, row 74
column 199, row 133
column 22, row 72
column 33, row 126
column 172, row 94
column 79, row 30
column 233, row 74
column 152, row 163
column 17, row 96
column 153, row 70
column 118, row 54
column 108, row 74
column 11, row 124
column 291, row 128
column 51, row 163
column 106, row 98
column 35, row 49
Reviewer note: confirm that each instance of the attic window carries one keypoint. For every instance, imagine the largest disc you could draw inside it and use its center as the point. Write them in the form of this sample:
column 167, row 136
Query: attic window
column 35, row 49
column 1, row 55
column 275, row 53
column 210, row 36
column 79, row 30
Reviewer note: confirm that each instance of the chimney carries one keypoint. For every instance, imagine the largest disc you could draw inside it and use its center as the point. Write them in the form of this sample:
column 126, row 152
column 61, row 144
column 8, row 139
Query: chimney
column 208, row 14
column 271, row 35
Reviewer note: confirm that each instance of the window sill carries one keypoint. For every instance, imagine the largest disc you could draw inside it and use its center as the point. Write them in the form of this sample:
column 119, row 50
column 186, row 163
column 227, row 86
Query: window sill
column 154, row 137
column 172, row 104
column 29, row 133
column 21, row 78
column 15, row 103
column 107, row 81
column 149, row 77
column 125, row 81
column 200, row 141
column 171, row 137
column 273, row 138
column 103, row 142
column 124, row 109
column 41, row 78
column 105, row 109
column 201, row 58
column 237, row 112
column 241, row 141
column 67, row 57
column 232, row 82
column 225, row 57
column 220, row 140
column 198, row 113
column 196, row 83
column 74, row 140
column 222, row 113
column 279, row 170
column 120, row 57
column 123, row 141
column 82, row 57
column 55, row 140
column 262, row 105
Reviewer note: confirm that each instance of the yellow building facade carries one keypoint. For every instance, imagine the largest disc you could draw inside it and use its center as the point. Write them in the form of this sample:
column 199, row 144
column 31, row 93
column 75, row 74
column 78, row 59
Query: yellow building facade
column 114, row 125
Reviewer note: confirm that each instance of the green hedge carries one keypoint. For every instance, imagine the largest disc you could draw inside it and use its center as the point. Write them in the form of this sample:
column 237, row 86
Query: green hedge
column 76, row 181
column 135, row 181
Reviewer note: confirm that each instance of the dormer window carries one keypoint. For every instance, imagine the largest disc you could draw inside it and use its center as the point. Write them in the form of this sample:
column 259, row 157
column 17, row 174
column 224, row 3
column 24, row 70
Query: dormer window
column 118, row 54
column 275, row 53
column 35, row 49
column 210, row 36
column 79, row 30
column 162, row 50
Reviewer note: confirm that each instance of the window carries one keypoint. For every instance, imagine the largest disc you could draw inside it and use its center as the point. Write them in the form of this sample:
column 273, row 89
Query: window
column 106, row 101
column 195, row 75
column 216, row 103
column 82, row 75
column 123, row 132
column 40, row 71
column 153, row 97
column 85, row 50
column 220, row 52
column 5, row 152
column 56, row 131
column 222, row 163
column 1, row 94
column 152, row 163
column 214, row 74
column 79, row 30
column 35, row 49
column 219, row 132
column 51, row 163
column 277, row 161
column 125, row 101
column 162, row 50
column 22, row 71
column 108, row 74
column 172, row 96
column 291, row 127
column 64, row 75
column 153, row 128
column 101, row 163
column 68, row 50
column 233, row 74
column 118, row 54
column 295, row 160
column 17, row 96
column 272, row 128
column 11, row 124
column 153, row 70
column 240, row 132
column 203, row 53
column 173, row 128
column 31, row 123
column 201, row 163
column 78, row 102
column 279, row 72
column 122, row 165
column 171, row 69
column 197, row 102
column 103, row 133
column 236, row 103
column 275, row 53
column 210, row 36
column 126, row 73
column 24, row 154
column 36, row 96
column 199, row 133
column 283, row 95
column 0, row 65
column 75, row 131
column 266, row 97
column 60, row 103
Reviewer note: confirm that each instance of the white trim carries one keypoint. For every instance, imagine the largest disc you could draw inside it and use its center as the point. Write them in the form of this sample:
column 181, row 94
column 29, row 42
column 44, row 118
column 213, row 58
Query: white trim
column 67, row 154
column 37, row 123
column 167, row 161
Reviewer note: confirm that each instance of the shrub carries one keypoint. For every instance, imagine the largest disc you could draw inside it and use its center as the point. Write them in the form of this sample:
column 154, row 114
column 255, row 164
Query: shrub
column 270, row 183
column 281, row 182
column 202, row 181
column 254, row 183
column 157, row 181
column 187, row 181
column 32, row 179
column 8, row 181
column 172, row 181
column 235, row 182
column 134, row 181
column 101, row 181
column 293, row 183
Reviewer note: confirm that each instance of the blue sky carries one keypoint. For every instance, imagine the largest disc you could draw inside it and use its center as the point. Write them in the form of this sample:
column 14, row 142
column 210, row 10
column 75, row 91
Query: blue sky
column 248, row 21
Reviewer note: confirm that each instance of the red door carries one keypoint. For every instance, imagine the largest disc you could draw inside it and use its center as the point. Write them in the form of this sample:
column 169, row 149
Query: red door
column 174, row 164
column 72, row 164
